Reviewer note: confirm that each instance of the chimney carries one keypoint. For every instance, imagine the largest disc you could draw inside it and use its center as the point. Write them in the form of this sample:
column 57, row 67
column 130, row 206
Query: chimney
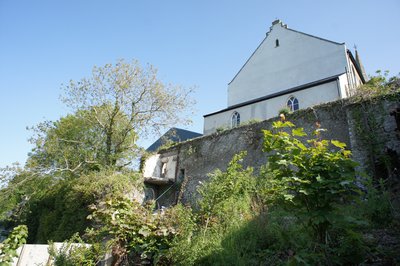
column 277, row 21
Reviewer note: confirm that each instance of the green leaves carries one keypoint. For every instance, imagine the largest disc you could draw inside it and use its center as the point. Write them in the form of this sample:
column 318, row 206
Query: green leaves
column 338, row 144
column 298, row 132
column 135, row 228
column 127, row 96
column 9, row 246
column 307, row 176
column 282, row 124
column 224, row 188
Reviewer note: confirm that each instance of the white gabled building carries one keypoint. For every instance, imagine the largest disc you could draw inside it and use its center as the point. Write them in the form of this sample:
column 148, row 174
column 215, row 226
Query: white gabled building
column 288, row 69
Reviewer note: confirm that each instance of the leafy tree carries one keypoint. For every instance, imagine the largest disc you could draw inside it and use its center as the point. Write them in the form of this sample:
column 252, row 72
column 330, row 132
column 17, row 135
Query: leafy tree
column 125, row 101
column 73, row 145
column 112, row 109
column 21, row 184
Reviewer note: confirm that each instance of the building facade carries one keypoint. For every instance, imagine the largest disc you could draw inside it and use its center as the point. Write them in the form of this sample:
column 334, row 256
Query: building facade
column 289, row 69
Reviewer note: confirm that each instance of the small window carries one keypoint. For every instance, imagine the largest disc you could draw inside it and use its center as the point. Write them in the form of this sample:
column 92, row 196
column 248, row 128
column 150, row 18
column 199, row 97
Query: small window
column 163, row 170
column 293, row 104
column 181, row 175
column 235, row 119
column 276, row 43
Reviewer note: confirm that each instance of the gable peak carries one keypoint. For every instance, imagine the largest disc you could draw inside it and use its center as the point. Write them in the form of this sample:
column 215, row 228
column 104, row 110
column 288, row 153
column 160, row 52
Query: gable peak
column 277, row 22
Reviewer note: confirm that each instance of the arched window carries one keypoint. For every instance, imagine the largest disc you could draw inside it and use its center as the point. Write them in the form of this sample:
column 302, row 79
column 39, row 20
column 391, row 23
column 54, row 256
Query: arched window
column 276, row 43
column 293, row 104
column 235, row 119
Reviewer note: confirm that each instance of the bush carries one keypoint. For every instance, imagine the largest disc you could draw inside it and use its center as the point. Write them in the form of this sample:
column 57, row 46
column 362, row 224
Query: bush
column 76, row 252
column 135, row 233
column 376, row 206
column 60, row 210
column 8, row 248
column 226, row 197
column 380, row 84
column 226, row 204
column 308, row 177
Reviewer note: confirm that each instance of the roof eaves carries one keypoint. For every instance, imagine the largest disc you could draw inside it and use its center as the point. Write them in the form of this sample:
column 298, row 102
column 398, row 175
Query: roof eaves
column 355, row 63
column 280, row 93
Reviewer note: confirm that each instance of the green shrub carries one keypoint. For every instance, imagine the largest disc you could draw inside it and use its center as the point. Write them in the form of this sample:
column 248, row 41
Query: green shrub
column 135, row 233
column 76, row 252
column 227, row 195
column 380, row 84
column 8, row 248
column 60, row 210
column 284, row 111
column 226, row 204
column 308, row 177
column 221, row 129
column 376, row 206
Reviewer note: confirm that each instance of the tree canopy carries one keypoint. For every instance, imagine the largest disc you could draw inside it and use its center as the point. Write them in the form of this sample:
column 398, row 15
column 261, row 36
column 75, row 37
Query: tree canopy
column 113, row 108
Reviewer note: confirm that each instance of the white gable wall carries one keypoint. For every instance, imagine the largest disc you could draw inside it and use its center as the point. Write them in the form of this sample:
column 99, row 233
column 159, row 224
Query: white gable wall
column 269, row 108
column 299, row 59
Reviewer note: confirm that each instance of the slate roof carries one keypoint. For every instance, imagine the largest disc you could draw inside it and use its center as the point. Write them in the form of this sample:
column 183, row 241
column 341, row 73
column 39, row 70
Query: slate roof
column 174, row 134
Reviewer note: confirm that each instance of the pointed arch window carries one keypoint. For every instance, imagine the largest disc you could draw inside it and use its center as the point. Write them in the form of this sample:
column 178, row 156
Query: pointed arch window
column 276, row 42
column 293, row 104
column 235, row 120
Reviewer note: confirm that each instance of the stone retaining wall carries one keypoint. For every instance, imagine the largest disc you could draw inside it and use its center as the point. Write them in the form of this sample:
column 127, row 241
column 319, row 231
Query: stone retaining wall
column 367, row 127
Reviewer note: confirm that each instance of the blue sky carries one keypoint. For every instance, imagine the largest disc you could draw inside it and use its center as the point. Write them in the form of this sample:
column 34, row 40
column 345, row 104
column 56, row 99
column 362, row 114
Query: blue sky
column 193, row 43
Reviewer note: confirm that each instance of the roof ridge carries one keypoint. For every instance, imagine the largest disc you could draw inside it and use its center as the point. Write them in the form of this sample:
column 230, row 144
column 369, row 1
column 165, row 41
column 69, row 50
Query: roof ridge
column 310, row 35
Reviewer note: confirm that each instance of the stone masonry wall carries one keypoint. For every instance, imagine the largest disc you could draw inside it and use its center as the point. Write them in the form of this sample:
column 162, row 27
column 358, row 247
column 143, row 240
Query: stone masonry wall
column 366, row 127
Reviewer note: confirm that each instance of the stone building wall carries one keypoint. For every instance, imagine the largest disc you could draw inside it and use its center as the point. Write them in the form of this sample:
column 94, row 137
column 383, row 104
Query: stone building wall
column 375, row 137
column 366, row 127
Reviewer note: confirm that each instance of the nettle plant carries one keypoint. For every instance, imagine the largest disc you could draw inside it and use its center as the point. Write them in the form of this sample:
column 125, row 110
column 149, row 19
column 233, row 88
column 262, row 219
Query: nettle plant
column 310, row 177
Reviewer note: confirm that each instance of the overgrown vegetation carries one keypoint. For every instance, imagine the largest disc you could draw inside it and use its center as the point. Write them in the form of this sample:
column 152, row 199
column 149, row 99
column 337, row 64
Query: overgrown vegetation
column 304, row 208
column 379, row 85
column 8, row 248
column 86, row 156
column 307, row 206
column 58, row 212
column 76, row 252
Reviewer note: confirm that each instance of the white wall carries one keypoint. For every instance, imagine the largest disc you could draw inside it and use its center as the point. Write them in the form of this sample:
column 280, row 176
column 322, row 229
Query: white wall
column 38, row 254
column 298, row 60
column 269, row 108
column 153, row 167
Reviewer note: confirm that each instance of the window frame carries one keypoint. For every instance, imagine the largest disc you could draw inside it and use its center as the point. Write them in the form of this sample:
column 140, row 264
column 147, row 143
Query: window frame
column 293, row 103
column 235, row 119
